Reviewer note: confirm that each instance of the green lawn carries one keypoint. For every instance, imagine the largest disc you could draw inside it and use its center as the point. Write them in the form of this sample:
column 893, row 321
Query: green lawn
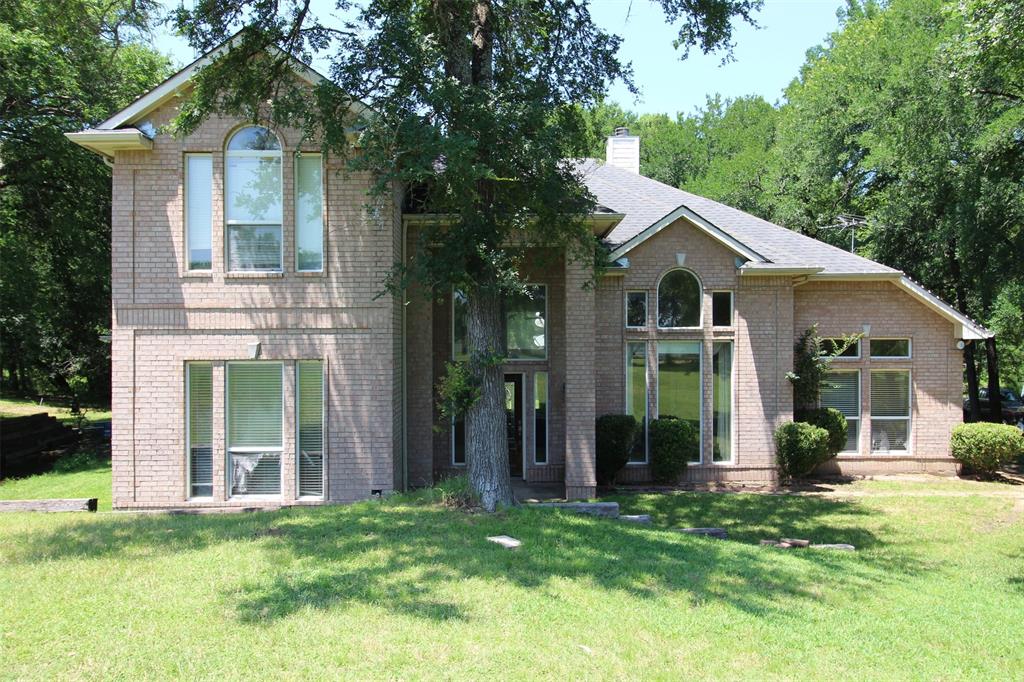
column 407, row 589
column 15, row 407
column 80, row 476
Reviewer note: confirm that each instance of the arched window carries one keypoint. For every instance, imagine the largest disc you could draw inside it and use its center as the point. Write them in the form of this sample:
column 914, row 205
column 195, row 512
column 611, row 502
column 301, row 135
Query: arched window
column 679, row 300
column 252, row 200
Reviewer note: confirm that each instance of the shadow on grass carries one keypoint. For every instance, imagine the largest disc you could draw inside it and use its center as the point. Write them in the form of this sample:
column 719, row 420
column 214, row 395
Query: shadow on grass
column 400, row 557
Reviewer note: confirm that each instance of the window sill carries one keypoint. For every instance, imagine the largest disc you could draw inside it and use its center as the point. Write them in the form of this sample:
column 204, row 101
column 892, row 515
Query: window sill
column 254, row 275
column 197, row 274
column 311, row 273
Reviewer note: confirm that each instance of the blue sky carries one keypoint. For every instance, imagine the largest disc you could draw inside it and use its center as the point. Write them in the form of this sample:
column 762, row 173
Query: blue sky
column 767, row 59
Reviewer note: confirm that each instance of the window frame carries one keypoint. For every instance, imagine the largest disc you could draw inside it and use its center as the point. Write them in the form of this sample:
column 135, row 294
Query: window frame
column 630, row 292
column 700, row 300
column 323, row 214
column 506, row 359
column 185, row 213
column 647, row 398
column 860, row 406
column 323, row 430
column 732, row 404
column 909, row 418
column 700, row 374
column 732, row 309
column 188, row 429
column 908, row 356
column 228, row 224
column 229, row 470
column 547, row 417
column 845, row 358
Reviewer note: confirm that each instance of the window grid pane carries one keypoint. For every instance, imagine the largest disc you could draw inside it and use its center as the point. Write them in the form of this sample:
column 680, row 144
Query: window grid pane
column 636, row 395
column 721, row 309
column 199, row 210
column 311, row 428
column 254, row 248
column 841, row 391
column 680, row 390
column 540, row 412
column 525, row 322
column 890, row 348
column 309, row 214
column 254, row 425
column 199, row 377
column 679, row 300
column 721, row 397
column 636, row 309
column 890, row 410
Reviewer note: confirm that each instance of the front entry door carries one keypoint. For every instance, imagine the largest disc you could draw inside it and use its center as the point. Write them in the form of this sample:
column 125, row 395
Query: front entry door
column 514, row 418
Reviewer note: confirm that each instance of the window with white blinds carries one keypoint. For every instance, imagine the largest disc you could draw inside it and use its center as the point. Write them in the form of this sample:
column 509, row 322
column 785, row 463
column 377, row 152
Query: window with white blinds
column 199, row 436
column 841, row 391
column 199, row 210
column 890, row 410
column 254, row 426
column 309, row 214
column 252, row 201
column 310, row 419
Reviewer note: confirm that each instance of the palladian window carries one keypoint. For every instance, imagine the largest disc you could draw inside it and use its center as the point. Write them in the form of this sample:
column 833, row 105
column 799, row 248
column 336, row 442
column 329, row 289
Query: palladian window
column 679, row 300
column 252, row 202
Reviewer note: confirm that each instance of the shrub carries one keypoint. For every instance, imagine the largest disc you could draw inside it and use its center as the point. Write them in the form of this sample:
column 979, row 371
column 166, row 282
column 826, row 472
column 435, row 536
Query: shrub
column 799, row 447
column 673, row 443
column 833, row 421
column 616, row 435
column 983, row 447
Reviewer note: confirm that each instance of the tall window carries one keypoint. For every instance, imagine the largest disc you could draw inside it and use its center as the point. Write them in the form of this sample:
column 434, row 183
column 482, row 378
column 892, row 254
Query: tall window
column 254, row 407
column 721, row 309
column 636, row 309
column 199, row 390
column 841, row 391
column 680, row 393
column 253, row 201
column 540, row 417
column 310, row 420
column 721, row 400
column 890, row 410
column 309, row 214
column 636, row 395
column 199, row 210
column 679, row 300
column 525, row 322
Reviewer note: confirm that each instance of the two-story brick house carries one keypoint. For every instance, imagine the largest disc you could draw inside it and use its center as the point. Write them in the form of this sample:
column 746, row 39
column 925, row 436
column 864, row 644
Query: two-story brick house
column 255, row 363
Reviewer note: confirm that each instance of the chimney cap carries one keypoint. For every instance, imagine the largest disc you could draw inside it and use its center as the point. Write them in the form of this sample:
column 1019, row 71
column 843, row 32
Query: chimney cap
column 621, row 131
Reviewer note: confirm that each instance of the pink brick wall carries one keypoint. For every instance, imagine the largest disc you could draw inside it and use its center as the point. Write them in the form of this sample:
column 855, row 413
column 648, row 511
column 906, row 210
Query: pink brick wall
column 164, row 315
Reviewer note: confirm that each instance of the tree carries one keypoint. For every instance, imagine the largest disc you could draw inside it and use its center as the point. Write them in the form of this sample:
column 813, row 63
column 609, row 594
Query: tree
column 476, row 103
column 66, row 66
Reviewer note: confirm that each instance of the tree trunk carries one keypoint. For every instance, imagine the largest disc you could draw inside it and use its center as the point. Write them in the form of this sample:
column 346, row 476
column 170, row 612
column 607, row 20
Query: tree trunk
column 486, row 427
column 995, row 399
column 961, row 304
column 972, row 382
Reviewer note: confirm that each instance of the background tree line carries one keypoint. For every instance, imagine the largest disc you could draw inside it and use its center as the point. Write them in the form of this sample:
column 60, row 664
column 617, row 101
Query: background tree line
column 910, row 115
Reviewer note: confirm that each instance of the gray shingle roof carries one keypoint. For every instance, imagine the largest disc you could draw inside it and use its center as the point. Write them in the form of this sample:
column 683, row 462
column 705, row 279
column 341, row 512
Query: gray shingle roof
column 645, row 202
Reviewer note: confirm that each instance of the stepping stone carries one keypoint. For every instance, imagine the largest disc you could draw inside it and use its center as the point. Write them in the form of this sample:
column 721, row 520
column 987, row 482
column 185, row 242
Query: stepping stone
column 505, row 541
column 842, row 547
column 607, row 510
column 718, row 533
column 636, row 518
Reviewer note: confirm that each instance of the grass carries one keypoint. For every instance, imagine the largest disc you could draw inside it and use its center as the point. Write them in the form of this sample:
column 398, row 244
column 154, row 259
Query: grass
column 76, row 476
column 16, row 407
column 406, row 588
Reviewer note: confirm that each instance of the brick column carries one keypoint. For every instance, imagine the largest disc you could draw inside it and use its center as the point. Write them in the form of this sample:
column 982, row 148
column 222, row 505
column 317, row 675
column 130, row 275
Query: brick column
column 580, row 476
column 288, row 434
column 221, row 472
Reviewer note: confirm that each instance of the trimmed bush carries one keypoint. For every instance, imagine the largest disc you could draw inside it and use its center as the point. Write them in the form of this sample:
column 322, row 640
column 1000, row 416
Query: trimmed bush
column 833, row 421
column 983, row 447
column 673, row 443
column 616, row 434
column 799, row 447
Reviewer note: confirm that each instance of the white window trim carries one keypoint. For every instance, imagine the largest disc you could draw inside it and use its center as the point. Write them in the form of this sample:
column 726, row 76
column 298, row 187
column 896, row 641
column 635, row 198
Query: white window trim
column 700, row 371
column 229, row 470
column 732, row 399
column 732, row 309
column 184, row 210
column 646, row 308
column 908, row 356
column 188, row 431
column 279, row 153
column 323, row 431
column 323, row 213
column 647, row 399
column 547, row 339
column 860, row 408
column 547, row 420
column 848, row 358
column 657, row 294
column 909, row 418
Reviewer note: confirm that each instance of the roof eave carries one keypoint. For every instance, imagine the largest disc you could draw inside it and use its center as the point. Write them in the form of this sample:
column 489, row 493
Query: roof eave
column 705, row 226
column 773, row 270
column 108, row 142
column 963, row 326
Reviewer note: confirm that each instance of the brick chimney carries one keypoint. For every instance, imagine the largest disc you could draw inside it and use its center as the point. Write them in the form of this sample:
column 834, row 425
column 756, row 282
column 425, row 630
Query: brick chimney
column 623, row 151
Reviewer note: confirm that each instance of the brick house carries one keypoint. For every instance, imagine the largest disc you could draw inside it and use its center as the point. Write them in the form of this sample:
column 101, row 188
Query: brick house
column 255, row 363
